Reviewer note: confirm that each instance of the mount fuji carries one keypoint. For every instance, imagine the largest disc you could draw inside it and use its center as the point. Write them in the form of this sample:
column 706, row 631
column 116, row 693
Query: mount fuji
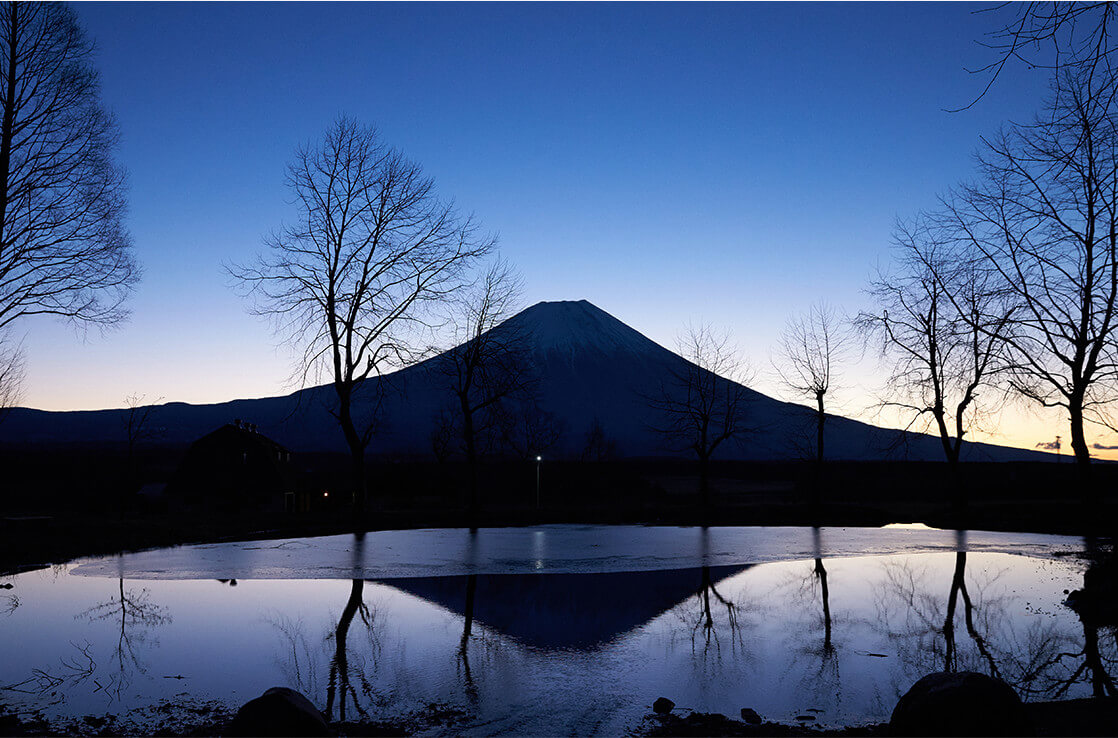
column 593, row 370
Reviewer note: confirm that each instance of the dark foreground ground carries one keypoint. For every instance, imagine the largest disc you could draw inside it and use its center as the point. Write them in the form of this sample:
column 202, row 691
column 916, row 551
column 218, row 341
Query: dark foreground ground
column 48, row 517
column 1085, row 717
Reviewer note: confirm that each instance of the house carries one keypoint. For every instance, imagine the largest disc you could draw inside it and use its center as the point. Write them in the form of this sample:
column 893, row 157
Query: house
column 237, row 467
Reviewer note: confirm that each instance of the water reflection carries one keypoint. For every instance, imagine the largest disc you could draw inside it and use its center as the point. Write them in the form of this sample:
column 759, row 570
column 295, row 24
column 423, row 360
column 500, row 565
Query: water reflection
column 1040, row 656
column 1096, row 605
column 840, row 636
column 136, row 617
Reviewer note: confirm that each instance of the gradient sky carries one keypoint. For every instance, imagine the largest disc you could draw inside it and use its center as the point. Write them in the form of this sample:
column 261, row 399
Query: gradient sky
column 729, row 163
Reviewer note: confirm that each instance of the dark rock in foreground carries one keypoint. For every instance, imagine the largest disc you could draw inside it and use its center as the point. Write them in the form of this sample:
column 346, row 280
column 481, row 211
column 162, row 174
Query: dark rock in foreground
column 964, row 703
column 279, row 712
column 750, row 716
column 662, row 706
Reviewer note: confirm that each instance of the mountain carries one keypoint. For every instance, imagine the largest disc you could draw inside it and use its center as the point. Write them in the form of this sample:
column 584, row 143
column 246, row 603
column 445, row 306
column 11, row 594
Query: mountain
column 593, row 369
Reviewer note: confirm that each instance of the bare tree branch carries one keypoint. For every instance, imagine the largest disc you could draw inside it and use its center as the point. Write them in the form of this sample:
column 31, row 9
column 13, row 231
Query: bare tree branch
column 64, row 249
column 355, row 279
column 810, row 348
column 1043, row 221
column 1048, row 35
column 489, row 363
column 940, row 326
column 704, row 404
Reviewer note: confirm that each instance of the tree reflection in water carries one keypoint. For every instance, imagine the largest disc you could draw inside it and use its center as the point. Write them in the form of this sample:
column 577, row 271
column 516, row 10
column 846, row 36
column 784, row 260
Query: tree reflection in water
column 811, row 647
column 464, row 644
column 138, row 616
column 1043, row 659
column 699, row 612
column 345, row 680
column 1098, row 612
column 349, row 670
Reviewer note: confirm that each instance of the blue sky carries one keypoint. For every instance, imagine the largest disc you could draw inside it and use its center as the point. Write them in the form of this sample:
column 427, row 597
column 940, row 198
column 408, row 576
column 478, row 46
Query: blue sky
column 730, row 163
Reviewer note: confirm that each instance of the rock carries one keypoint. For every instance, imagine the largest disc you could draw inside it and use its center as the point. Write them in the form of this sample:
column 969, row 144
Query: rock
column 961, row 704
column 750, row 716
column 662, row 706
column 280, row 712
column 805, row 717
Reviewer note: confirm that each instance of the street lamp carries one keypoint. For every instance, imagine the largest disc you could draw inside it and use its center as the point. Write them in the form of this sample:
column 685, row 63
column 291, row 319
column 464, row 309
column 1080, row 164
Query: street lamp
column 539, row 459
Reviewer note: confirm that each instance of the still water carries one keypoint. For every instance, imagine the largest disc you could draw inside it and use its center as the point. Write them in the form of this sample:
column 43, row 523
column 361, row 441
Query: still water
column 551, row 630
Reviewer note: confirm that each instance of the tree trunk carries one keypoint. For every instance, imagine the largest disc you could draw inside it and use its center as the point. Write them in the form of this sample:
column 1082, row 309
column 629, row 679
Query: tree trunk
column 821, row 418
column 1078, row 439
column 8, row 121
column 470, row 443
column 959, row 494
column 817, row 483
column 1088, row 495
column 356, row 450
column 704, row 482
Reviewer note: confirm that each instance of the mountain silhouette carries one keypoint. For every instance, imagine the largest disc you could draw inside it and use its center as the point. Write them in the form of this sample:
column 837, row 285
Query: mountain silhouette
column 593, row 370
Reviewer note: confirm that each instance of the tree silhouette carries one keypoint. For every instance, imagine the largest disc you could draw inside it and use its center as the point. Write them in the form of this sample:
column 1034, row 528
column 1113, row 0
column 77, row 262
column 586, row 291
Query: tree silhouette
column 488, row 364
column 940, row 325
column 355, row 279
column 1043, row 220
column 138, row 426
column 64, row 250
column 810, row 347
column 703, row 406
column 1049, row 35
column 11, row 376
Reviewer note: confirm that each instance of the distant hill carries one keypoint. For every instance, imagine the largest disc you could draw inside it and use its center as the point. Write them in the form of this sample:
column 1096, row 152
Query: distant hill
column 592, row 368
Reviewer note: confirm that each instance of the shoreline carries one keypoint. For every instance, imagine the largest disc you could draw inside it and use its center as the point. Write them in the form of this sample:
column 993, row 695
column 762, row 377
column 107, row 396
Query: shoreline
column 34, row 542
column 1097, row 716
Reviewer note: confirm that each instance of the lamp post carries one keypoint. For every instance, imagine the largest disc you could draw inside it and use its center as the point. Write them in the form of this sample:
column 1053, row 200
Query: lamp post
column 539, row 459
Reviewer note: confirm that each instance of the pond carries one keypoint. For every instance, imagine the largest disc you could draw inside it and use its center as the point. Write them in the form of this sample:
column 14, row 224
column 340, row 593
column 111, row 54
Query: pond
column 555, row 629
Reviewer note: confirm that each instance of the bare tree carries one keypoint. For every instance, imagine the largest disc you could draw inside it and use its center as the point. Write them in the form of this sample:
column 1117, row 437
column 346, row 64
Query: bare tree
column 810, row 347
column 64, row 250
column 703, row 405
column 11, row 376
column 940, row 324
column 139, row 426
column 490, row 361
column 1043, row 217
column 527, row 430
column 1049, row 35
column 598, row 446
column 355, row 279
column 138, row 422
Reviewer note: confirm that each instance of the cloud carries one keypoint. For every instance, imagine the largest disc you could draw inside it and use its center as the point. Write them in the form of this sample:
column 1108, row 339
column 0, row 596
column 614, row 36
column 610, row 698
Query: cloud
column 1100, row 447
column 1050, row 445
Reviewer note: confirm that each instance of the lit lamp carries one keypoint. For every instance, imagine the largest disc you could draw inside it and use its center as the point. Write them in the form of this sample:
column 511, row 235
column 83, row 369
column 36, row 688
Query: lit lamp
column 539, row 459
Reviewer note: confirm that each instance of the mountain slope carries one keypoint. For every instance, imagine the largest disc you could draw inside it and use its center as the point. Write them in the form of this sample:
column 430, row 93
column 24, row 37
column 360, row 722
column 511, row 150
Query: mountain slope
column 593, row 369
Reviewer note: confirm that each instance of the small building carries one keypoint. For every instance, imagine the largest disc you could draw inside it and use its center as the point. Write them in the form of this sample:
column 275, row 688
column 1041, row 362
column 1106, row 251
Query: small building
column 237, row 467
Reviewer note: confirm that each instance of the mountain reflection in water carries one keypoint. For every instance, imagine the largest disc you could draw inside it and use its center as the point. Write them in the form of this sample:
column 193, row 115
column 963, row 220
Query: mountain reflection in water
column 544, row 653
column 565, row 611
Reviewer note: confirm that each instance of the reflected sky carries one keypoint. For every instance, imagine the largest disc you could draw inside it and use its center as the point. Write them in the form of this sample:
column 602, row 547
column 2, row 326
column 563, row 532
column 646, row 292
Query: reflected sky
column 837, row 637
